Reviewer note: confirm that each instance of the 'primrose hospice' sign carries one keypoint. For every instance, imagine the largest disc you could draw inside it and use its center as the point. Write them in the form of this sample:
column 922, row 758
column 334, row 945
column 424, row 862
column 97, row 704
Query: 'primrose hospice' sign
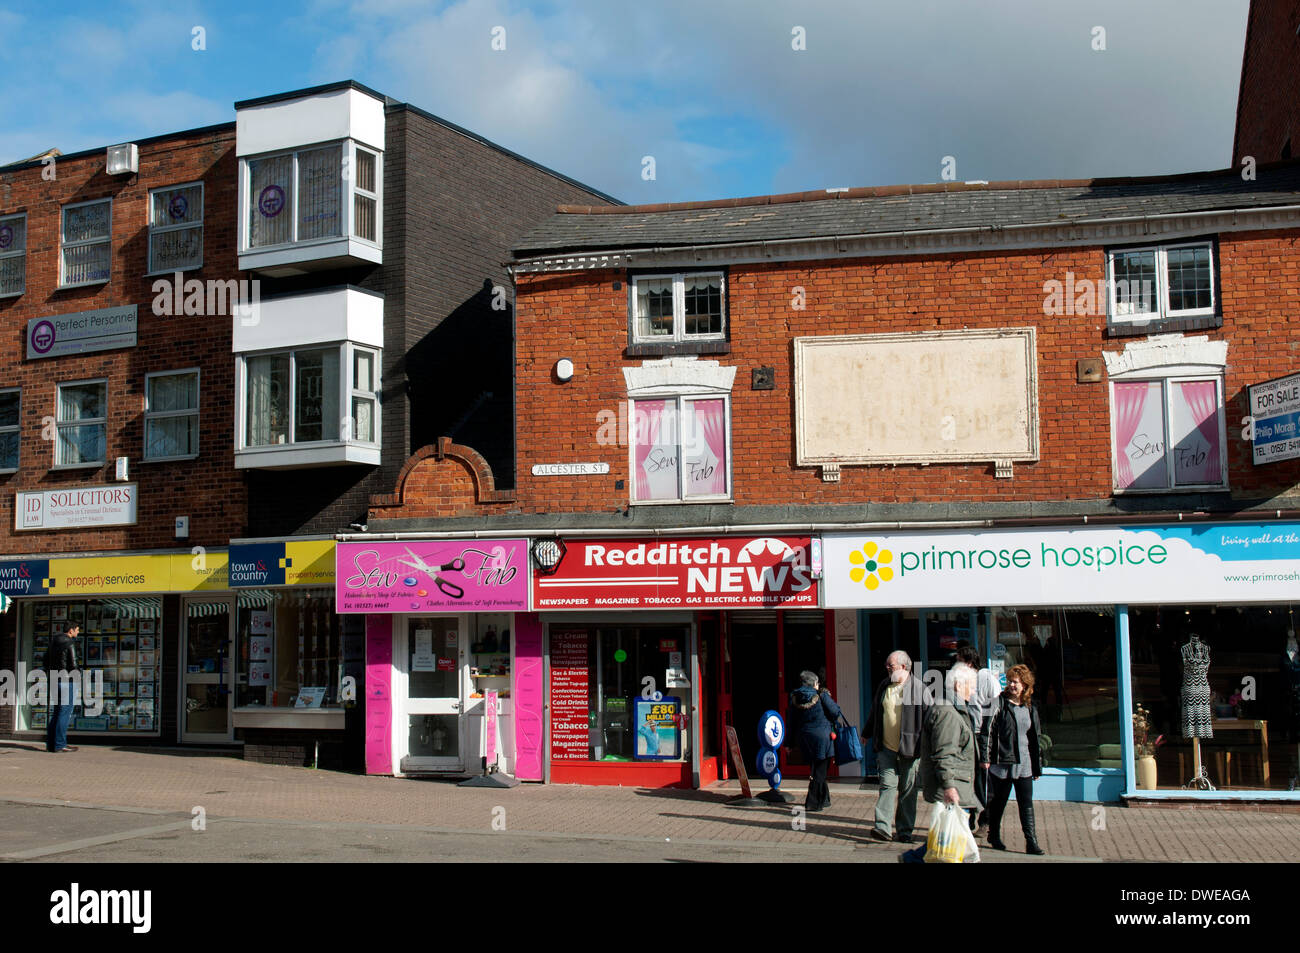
column 1183, row 563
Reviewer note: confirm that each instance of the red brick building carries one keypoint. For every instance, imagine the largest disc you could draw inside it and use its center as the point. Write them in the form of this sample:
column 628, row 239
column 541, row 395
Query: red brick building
column 845, row 379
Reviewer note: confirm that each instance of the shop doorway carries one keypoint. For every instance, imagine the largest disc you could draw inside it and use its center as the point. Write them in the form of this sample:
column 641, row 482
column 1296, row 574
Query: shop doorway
column 429, row 691
column 766, row 651
column 206, row 696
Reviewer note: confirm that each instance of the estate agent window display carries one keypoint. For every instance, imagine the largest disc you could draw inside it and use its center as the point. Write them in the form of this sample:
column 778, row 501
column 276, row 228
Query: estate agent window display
column 290, row 650
column 121, row 640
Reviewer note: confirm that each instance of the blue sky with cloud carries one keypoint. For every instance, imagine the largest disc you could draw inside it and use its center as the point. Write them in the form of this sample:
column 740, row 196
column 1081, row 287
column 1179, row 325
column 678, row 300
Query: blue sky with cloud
column 713, row 91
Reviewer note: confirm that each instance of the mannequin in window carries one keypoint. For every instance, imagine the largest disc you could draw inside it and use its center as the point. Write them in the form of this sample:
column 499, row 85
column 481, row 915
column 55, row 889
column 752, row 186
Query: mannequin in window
column 1196, row 721
column 1291, row 679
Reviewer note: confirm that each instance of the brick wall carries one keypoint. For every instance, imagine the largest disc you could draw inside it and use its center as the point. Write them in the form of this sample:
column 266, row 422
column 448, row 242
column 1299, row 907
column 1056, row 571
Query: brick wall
column 206, row 489
column 1268, row 103
column 583, row 317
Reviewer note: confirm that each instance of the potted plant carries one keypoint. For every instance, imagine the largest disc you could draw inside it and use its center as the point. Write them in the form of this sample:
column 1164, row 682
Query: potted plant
column 1144, row 749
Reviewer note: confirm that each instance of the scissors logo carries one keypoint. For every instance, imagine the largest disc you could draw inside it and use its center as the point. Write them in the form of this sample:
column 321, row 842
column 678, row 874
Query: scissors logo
column 446, row 586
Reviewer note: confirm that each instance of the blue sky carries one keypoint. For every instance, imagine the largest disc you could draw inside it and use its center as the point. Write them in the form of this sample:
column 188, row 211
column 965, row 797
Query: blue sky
column 714, row 91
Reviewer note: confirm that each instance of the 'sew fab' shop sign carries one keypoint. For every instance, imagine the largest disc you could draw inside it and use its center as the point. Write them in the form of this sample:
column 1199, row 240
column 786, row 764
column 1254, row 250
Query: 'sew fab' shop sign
column 1182, row 563
column 743, row 572
column 485, row 575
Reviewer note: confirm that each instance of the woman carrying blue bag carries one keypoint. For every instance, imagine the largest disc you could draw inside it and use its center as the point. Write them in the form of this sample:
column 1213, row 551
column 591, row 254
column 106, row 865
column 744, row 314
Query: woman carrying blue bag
column 811, row 718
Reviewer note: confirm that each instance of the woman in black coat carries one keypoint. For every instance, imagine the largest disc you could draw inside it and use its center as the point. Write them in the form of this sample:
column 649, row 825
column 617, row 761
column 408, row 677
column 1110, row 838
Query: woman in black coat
column 811, row 718
column 1009, row 750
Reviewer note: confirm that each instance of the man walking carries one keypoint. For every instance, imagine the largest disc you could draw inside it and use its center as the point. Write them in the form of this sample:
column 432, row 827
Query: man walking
column 61, row 674
column 895, row 720
column 949, row 748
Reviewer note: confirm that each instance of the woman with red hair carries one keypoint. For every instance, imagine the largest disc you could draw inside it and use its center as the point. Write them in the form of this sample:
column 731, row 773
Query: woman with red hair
column 1009, row 750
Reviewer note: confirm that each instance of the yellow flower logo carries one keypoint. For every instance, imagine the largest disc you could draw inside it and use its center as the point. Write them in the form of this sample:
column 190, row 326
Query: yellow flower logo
column 869, row 566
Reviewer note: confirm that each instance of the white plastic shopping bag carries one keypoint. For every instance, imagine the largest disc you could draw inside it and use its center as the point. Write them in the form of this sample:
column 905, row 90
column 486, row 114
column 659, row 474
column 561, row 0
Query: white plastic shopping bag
column 950, row 840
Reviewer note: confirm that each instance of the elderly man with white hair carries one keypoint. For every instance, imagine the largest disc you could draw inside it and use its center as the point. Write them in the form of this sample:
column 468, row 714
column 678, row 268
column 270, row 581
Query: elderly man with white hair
column 894, row 729
column 949, row 746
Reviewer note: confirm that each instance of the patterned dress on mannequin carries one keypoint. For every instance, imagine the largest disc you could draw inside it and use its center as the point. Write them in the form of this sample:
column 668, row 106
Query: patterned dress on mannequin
column 1196, row 690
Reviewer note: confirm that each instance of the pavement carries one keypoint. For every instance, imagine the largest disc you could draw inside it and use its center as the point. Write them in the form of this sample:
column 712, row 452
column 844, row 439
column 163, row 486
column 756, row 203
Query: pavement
column 123, row 804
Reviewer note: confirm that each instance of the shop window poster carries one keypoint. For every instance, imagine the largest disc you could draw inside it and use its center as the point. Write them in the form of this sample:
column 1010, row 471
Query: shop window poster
column 126, row 643
column 657, row 735
column 128, row 624
column 42, row 611
column 148, row 627
column 148, row 643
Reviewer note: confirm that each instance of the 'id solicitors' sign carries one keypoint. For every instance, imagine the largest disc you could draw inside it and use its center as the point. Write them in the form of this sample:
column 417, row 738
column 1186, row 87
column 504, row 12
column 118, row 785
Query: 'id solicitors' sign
column 744, row 572
column 1275, row 414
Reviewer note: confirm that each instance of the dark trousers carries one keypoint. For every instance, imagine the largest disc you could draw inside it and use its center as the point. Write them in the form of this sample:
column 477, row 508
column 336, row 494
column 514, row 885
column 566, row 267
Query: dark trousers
column 999, row 791
column 819, row 793
column 982, row 795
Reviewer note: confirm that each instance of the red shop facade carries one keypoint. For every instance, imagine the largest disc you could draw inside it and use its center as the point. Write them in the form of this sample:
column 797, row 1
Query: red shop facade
column 654, row 646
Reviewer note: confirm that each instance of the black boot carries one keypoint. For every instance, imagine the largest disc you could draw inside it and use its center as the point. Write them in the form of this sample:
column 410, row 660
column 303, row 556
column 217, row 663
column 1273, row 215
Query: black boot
column 1031, row 834
column 995, row 825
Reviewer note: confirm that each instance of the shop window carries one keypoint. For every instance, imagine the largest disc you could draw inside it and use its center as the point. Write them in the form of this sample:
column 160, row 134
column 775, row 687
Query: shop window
column 677, row 308
column 1222, row 682
column 10, row 418
column 290, row 650
column 119, row 649
column 1071, row 652
column 306, row 195
column 176, row 228
column 1161, row 282
column 1168, row 434
column 171, row 415
column 603, row 687
column 13, row 255
column 82, row 422
column 85, row 245
column 294, row 397
column 681, row 449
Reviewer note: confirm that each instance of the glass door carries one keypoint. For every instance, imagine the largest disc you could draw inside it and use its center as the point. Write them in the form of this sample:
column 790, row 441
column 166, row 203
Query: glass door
column 429, row 734
column 205, row 672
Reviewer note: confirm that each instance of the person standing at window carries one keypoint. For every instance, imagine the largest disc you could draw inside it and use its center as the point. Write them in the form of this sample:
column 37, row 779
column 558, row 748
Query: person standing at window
column 1010, row 752
column 61, row 672
column 812, row 717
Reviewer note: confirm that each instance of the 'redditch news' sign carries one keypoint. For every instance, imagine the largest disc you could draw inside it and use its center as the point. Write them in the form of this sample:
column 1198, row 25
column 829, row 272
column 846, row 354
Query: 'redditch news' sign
column 1183, row 563
column 81, row 332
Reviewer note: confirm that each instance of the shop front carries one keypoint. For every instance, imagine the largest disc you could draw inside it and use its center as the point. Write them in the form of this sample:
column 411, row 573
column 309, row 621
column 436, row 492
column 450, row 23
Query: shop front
column 139, row 630
column 294, row 680
column 1164, row 655
column 654, row 647
column 440, row 623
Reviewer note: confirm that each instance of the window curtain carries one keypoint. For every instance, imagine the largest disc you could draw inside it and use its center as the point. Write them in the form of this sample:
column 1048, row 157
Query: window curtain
column 709, row 476
column 257, row 406
column 655, row 450
column 270, row 201
column 1202, row 400
column 320, row 180
column 1129, row 399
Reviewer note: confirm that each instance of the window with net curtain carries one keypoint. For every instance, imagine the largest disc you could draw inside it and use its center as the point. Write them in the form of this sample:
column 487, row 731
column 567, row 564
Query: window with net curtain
column 307, row 411
column 82, row 422
column 678, row 307
column 13, row 255
column 176, row 228
column 86, row 239
column 171, row 427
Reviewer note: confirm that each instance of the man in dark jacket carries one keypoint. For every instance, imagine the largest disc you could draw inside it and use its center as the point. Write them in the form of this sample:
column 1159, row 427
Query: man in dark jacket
column 894, row 723
column 60, row 672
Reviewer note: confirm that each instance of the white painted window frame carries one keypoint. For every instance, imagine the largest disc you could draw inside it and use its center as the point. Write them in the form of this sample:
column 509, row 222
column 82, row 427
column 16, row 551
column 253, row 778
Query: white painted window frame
column 680, row 399
column 21, row 253
column 150, row 415
column 159, row 229
column 64, row 245
column 1167, row 380
column 59, row 424
column 679, row 335
column 1162, row 285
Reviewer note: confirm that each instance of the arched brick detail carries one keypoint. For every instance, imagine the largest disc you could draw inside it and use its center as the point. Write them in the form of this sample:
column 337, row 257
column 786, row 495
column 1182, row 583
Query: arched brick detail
column 441, row 480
